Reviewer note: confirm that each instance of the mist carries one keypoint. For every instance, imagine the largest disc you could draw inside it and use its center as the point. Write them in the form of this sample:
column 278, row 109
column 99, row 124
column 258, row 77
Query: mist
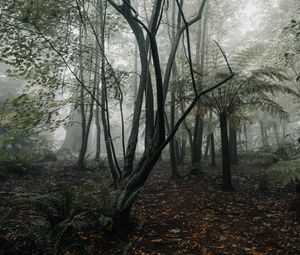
column 150, row 127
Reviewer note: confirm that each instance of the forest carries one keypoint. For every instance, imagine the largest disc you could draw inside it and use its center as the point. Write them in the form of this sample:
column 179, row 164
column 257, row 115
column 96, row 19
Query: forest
column 163, row 127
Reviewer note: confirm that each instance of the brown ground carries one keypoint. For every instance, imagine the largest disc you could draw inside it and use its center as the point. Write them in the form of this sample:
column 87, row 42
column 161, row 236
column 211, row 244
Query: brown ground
column 186, row 217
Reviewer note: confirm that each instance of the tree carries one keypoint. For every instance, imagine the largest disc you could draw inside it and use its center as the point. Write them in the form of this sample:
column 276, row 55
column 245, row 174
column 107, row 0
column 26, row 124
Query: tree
column 244, row 92
column 129, row 179
column 28, row 57
column 132, row 178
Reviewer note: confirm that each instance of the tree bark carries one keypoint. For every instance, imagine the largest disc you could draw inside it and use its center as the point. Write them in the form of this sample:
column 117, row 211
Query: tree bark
column 130, row 184
column 233, row 146
column 82, row 151
column 173, row 158
column 197, row 145
column 97, row 78
column 227, row 183
column 246, row 137
column 173, row 142
column 212, row 150
column 207, row 145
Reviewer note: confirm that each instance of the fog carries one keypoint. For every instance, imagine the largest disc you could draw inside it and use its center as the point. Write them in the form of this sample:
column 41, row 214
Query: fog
column 123, row 93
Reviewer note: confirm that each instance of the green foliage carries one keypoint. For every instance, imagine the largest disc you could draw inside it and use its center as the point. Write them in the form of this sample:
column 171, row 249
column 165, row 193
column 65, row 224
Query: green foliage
column 59, row 210
column 24, row 153
column 54, row 218
column 264, row 158
column 55, row 207
column 284, row 172
column 24, row 49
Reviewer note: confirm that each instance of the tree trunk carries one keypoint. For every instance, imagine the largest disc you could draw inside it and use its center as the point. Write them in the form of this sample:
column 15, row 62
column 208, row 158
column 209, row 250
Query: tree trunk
column 98, row 30
column 207, row 145
column 72, row 141
column 283, row 130
column 246, row 137
column 173, row 158
column 212, row 149
column 197, row 146
column 227, row 183
column 136, row 175
column 276, row 133
column 263, row 137
column 173, row 143
column 233, row 146
column 80, row 161
column 98, row 134
column 182, row 151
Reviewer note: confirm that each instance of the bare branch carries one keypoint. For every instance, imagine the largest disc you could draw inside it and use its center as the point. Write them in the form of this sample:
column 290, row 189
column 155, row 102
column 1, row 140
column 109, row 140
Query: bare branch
column 224, row 55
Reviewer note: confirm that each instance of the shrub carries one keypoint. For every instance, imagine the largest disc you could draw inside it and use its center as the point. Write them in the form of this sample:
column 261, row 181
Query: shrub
column 284, row 172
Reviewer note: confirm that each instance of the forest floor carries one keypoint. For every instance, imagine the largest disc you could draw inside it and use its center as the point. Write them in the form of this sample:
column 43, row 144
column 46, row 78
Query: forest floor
column 185, row 217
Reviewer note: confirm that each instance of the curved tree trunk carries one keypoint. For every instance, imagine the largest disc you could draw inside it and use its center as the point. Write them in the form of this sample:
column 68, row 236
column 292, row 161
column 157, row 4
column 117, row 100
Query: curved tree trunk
column 135, row 176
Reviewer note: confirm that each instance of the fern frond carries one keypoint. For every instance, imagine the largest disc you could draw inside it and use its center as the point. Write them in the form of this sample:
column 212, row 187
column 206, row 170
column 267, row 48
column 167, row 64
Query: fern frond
column 255, row 85
column 270, row 72
column 284, row 172
column 267, row 105
column 243, row 58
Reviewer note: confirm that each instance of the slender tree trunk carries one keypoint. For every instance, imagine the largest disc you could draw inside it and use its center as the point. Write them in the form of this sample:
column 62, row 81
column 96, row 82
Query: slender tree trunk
column 107, row 138
column 98, row 130
column 135, row 80
column 227, row 183
column 207, row 147
column 199, row 143
column 246, row 137
column 199, row 123
column 262, row 131
column 240, row 141
column 276, row 133
column 233, row 145
column 182, row 152
column 283, row 130
column 149, row 116
column 173, row 143
column 197, row 146
column 90, row 114
column 212, row 150
column 98, row 29
column 173, row 158
column 80, row 161
column 266, row 137
column 113, row 166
